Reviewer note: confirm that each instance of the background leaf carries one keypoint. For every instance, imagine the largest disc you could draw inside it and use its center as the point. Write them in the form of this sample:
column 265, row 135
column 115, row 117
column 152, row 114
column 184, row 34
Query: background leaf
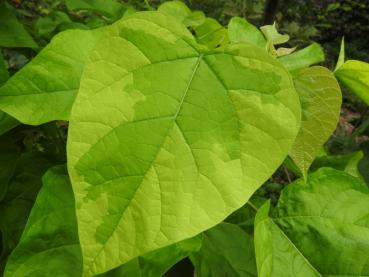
column 226, row 250
column 319, row 228
column 50, row 234
column 240, row 30
column 303, row 58
column 12, row 32
column 355, row 75
column 321, row 99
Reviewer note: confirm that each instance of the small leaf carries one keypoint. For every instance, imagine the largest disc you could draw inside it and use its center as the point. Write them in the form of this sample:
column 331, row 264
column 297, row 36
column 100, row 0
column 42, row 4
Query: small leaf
column 12, row 32
column 226, row 250
column 110, row 8
column 318, row 228
column 273, row 36
column 341, row 57
column 50, row 234
column 7, row 123
column 283, row 51
column 45, row 89
column 303, row 58
column 355, row 75
column 197, row 131
column 211, row 34
column 240, row 30
column 321, row 99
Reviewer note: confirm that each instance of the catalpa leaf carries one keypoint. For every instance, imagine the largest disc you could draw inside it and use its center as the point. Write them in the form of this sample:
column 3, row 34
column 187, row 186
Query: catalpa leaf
column 355, row 75
column 182, row 13
column 50, row 234
column 158, row 262
column 110, row 8
column 211, row 33
column 303, row 58
column 348, row 162
column 12, row 32
column 22, row 189
column 45, row 89
column 226, row 250
column 240, row 30
column 321, row 99
column 167, row 138
column 319, row 228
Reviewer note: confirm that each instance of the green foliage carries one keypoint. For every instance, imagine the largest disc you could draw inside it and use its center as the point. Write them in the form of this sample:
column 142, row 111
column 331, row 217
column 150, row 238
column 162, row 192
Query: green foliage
column 355, row 75
column 171, row 150
column 318, row 228
column 182, row 138
column 320, row 98
column 12, row 32
column 45, row 89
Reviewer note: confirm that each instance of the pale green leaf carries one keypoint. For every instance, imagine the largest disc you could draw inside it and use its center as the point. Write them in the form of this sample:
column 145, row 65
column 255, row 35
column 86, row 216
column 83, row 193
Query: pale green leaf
column 12, row 32
column 284, row 51
column 341, row 57
column 321, row 99
column 319, row 228
column 355, row 75
column 240, row 30
column 182, row 13
column 273, row 36
column 166, row 139
column 226, row 250
column 211, row 33
column 303, row 58
column 49, row 243
column 45, row 89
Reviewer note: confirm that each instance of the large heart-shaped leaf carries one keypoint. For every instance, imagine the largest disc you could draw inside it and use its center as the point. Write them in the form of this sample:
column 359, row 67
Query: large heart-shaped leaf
column 45, row 89
column 319, row 228
column 167, row 138
column 321, row 99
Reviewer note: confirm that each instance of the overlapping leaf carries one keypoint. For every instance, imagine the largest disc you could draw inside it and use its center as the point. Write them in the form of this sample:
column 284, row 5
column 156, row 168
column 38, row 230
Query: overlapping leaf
column 321, row 99
column 49, row 243
column 240, row 30
column 303, row 58
column 45, row 89
column 12, row 32
column 226, row 250
column 319, row 228
column 355, row 75
column 166, row 139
